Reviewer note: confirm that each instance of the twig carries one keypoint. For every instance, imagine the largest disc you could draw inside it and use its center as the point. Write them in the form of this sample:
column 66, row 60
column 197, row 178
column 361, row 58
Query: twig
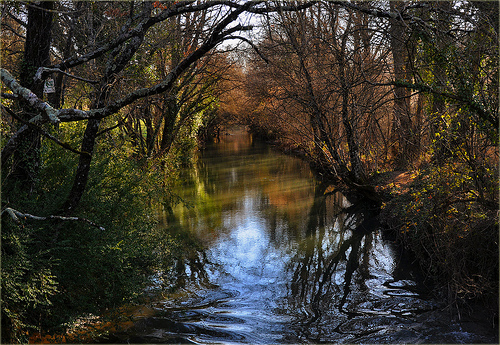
column 45, row 70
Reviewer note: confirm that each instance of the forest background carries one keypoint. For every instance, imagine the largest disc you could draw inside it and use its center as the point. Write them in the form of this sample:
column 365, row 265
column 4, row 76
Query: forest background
column 104, row 102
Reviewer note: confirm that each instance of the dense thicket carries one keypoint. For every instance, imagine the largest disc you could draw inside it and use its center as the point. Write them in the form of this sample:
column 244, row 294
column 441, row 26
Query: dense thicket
column 359, row 88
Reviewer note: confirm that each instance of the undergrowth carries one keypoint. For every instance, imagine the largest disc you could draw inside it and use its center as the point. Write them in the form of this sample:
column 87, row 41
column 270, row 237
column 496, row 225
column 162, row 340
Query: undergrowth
column 56, row 272
column 449, row 220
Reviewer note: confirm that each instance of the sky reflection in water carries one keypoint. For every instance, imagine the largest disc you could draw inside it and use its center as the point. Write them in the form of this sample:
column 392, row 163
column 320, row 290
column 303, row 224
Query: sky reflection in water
column 288, row 260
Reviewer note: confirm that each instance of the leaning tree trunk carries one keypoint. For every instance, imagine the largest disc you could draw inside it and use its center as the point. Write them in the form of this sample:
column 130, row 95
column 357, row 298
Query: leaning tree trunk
column 114, row 66
column 82, row 172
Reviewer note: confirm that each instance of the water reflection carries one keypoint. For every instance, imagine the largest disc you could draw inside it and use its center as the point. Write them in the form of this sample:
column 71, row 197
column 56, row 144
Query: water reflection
column 280, row 258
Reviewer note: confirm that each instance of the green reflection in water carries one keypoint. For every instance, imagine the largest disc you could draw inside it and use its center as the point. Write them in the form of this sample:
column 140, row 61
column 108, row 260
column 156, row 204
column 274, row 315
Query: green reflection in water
column 278, row 257
column 239, row 170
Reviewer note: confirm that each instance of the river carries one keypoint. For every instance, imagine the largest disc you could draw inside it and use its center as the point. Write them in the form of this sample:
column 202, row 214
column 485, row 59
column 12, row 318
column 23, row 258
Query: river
column 284, row 258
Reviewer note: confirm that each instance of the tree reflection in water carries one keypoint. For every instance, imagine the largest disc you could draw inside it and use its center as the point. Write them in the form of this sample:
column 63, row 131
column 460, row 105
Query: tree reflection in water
column 332, row 253
column 185, row 261
column 266, row 254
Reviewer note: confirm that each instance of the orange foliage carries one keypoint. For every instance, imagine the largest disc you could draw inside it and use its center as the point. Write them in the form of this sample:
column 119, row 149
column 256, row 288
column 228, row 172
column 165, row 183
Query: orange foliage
column 162, row 6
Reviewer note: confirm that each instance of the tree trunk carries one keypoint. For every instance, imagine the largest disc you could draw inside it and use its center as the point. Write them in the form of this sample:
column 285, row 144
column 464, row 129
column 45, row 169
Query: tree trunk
column 82, row 172
column 26, row 157
column 402, row 125
column 116, row 63
column 438, row 107
column 357, row 171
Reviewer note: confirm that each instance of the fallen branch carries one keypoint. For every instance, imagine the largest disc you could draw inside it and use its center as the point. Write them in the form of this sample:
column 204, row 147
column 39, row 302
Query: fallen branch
column 15, row 215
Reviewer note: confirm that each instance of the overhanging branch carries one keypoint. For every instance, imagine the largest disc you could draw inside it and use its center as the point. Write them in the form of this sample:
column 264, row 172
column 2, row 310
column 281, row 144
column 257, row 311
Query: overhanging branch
column 27, row 95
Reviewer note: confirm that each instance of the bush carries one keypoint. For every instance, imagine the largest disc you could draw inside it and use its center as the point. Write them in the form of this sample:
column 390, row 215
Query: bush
column 56, row 271
column 452, row 228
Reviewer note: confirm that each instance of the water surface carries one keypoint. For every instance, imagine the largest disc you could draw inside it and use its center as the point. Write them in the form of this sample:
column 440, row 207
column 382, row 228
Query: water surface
column 285, row 259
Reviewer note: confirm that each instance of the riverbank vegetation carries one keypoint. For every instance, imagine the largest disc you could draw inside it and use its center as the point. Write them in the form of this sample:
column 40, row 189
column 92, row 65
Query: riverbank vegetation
column 88, row 157
column 102, row 102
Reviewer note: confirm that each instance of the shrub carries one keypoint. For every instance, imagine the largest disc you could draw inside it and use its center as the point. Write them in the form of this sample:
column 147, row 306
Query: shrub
column 452, row 228
column 56, row 271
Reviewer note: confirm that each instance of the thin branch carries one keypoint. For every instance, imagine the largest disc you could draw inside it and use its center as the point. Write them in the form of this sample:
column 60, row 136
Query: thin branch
column 120, row 123
column 268, row 9
column 51, row 11
column 251, row 44
column 13, row 31
column 15, row 215
column 43, row 70
column 139, row 29
column 17, row 20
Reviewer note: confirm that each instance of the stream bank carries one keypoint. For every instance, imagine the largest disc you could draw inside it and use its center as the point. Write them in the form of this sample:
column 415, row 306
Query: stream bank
column 285, row 258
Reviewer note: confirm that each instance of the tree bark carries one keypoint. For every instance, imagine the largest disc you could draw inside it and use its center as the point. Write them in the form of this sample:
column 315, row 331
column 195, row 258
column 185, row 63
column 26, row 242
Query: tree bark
column 26, row 156
column 402, row 124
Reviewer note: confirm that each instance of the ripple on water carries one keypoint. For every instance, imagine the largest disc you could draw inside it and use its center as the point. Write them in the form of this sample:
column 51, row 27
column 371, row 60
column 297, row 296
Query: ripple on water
column 280, row 255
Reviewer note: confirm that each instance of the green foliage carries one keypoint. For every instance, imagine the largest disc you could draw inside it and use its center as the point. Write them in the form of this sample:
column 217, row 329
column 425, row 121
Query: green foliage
column 27, row 285
column 54, row 272
column 452, row 228
column 461, row 76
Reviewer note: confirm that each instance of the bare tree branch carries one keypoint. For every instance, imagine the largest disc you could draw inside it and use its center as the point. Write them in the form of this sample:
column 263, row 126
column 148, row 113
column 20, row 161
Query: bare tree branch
column 43, row 70
column 27, row 95
column 15, row 215
column 138, row 30
column 250, row 43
